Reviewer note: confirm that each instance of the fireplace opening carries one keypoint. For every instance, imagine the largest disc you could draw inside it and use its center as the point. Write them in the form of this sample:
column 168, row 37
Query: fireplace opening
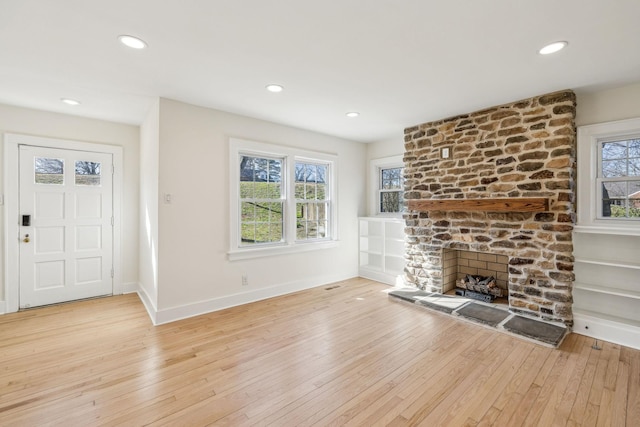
column 476, row 275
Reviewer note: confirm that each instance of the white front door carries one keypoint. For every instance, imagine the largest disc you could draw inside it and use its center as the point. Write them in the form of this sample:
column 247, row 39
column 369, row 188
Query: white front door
column 65, row 221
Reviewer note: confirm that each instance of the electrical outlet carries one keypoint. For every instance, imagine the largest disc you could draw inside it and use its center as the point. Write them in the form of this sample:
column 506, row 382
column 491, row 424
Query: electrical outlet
column 245, row 280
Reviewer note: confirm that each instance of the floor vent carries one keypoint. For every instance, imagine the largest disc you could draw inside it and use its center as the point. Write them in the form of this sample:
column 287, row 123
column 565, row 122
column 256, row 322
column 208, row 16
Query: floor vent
column 331, row 287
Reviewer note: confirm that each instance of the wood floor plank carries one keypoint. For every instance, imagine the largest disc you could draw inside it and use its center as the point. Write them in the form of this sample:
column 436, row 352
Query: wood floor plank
column 339, row 355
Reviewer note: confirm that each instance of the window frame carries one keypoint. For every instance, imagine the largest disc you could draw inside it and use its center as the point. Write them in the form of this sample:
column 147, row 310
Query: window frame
column 290, row 155
column 375, row 183
column 589, row 195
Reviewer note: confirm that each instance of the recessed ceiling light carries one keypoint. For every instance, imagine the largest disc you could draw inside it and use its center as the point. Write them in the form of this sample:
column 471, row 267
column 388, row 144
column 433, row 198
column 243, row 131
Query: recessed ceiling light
column 352, row 114
column 70, row 101
column 552, row 48
column 274, row 88
column 132, row 42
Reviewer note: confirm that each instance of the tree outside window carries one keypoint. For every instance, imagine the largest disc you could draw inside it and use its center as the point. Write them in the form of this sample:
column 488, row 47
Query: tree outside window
column 619, row 178
column 391, row 192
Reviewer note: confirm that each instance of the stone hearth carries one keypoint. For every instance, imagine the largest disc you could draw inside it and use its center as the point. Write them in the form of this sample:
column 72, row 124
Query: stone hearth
column 512, row 152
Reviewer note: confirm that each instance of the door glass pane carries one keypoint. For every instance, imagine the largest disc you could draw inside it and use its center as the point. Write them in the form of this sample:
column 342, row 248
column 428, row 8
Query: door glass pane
column 87, row 173
column 49, row 171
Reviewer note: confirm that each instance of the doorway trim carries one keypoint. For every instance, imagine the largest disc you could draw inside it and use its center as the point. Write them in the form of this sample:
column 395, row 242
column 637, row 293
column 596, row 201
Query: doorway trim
column 11, row 221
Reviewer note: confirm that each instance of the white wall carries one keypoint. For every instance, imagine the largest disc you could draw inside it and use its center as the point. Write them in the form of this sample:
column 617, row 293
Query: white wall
column 149, row 149
column 608, row 105
column 194, row 274
column 40, row 123
column 379, row 150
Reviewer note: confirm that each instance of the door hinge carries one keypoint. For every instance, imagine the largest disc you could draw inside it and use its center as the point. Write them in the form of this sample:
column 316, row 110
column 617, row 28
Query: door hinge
column 113, row 169
column 112, row 272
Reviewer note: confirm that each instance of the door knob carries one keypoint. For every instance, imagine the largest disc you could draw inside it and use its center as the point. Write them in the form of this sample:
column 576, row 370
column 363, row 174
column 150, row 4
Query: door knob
column 26, row 238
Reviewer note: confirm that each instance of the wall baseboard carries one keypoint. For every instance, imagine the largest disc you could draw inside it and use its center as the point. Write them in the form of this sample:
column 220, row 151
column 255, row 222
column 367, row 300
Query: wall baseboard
column 202, row 307
column 152, row 311
column 606, row 330
column 379, row 276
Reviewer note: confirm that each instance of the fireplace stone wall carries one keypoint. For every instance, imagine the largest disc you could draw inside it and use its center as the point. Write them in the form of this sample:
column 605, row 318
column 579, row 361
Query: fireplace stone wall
column 523, row 149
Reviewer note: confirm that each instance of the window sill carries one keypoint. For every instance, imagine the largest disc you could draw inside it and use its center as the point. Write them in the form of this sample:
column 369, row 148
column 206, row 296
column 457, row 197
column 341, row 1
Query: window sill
column 615, row 229
column 250, row 253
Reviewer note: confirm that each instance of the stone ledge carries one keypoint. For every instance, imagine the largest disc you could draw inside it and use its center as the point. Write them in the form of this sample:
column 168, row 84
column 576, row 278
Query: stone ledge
column 487, row 315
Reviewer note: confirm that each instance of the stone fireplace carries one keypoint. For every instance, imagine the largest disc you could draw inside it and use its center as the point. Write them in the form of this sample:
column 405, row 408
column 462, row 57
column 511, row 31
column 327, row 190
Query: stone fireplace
column 496, row 183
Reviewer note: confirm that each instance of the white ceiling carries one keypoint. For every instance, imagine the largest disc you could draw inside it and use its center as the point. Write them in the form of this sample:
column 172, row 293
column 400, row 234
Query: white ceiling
column 397, row 62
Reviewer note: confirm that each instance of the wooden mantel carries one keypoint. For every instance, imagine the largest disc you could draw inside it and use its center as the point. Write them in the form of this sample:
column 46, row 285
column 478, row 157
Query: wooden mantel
column 513, row 204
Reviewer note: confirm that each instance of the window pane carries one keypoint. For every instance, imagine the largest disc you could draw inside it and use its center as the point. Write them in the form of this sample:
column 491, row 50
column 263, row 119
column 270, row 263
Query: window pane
column 261, row 190
column 634, row 166
column 274, row 210
column 634, row 199
column 614, row 168
column 248, row 212
column 246, row 190
column 322, row 229
column 391, row 179
column 276, row 232
column 390, row 201
column 322, row 211
column 634, row 148
column 258, row 169
column 310, row 191
column 621, row 199
column 261, row 222
column 49, row 171
column 614, row 190
column 301, row 230
column 248, row 233
column 311, row 220
column 614, row 150
column 87, row 173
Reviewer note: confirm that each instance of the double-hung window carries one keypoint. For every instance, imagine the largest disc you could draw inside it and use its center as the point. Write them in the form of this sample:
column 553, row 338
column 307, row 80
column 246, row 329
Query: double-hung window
column 609, row 177
column 386, row 184
column 282, row 199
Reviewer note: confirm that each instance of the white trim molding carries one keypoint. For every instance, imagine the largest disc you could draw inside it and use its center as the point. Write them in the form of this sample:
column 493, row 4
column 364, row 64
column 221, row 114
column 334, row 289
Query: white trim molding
column 595, row 326
column 203, row 307
column 11, row 205
column 588, row 138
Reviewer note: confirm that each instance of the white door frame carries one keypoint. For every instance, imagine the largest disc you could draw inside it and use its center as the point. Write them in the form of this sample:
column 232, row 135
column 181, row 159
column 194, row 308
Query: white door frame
column 12, row 214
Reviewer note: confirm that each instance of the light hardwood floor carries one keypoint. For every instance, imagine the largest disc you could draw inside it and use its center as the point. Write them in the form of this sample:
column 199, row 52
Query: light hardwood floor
column 345, row 355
